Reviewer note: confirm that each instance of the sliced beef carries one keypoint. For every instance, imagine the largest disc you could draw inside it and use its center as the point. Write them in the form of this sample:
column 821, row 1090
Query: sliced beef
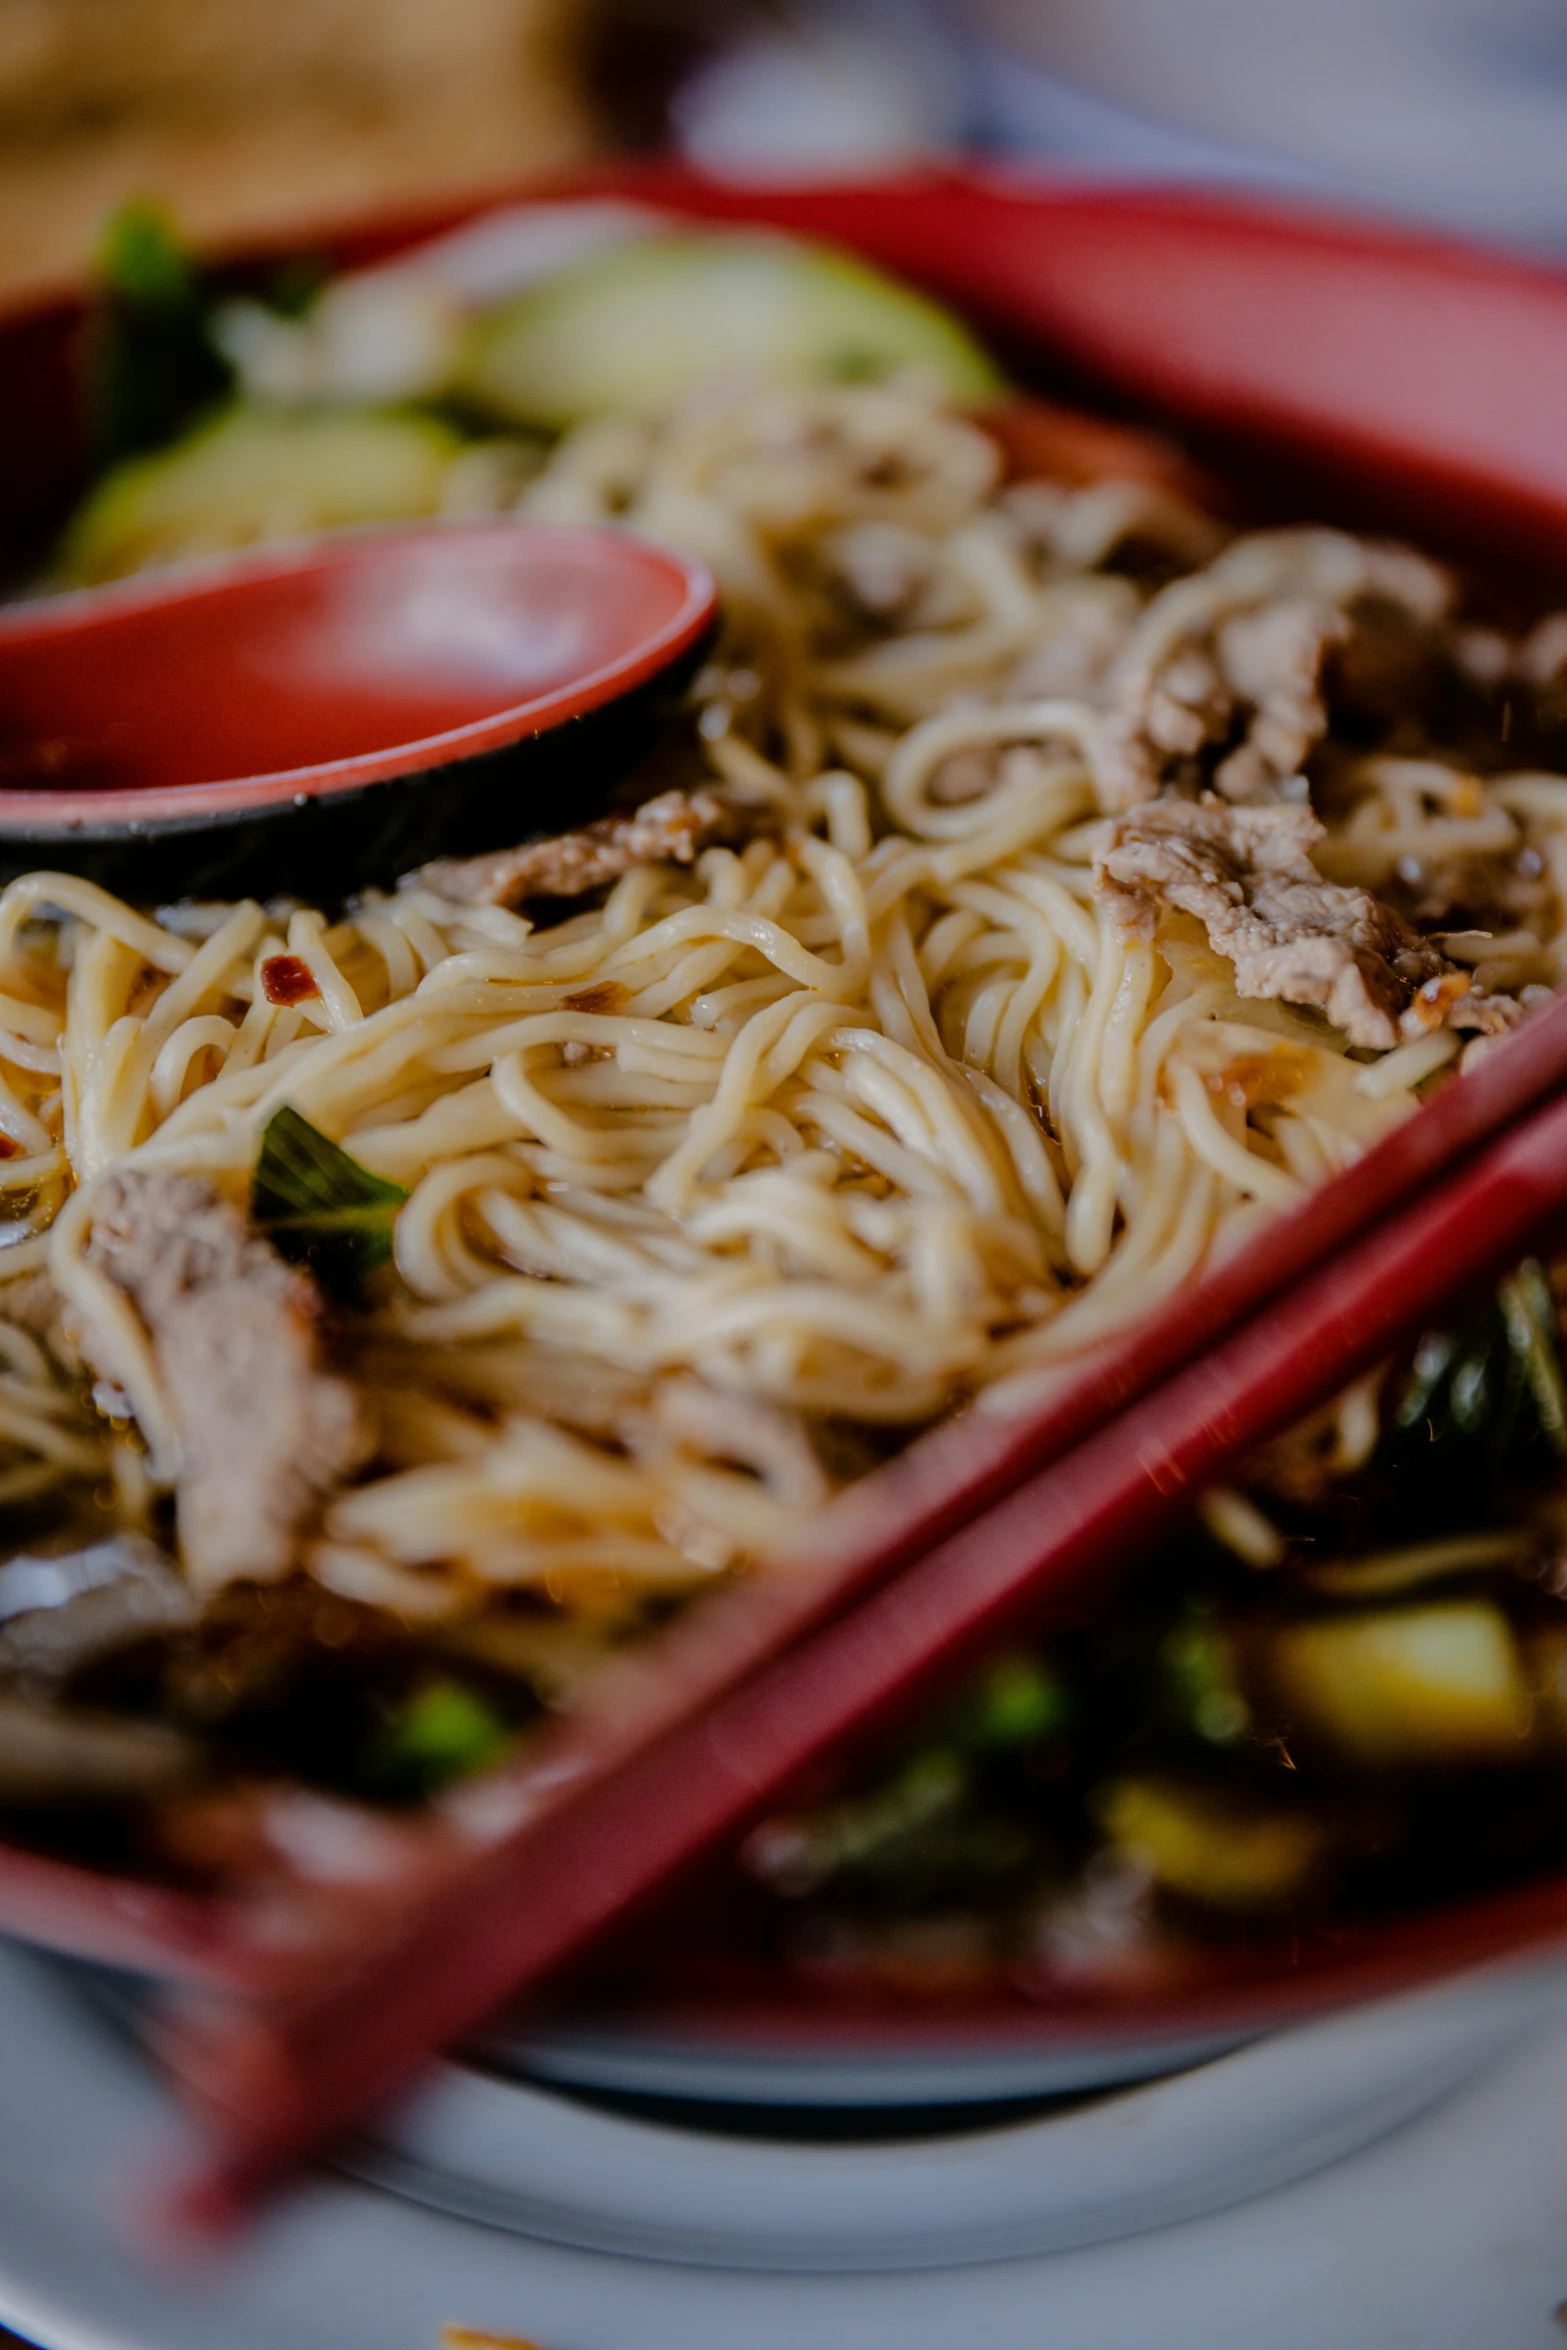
column 1262, row 676
column 1272, row 660
column 1184, row 707
column 674, row 828
column 1223, row 685
column 1247, row 875
column 266, row 1431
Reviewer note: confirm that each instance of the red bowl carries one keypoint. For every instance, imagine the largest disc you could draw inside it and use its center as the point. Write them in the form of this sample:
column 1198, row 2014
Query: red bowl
column 1368, row 375
column 329, row 715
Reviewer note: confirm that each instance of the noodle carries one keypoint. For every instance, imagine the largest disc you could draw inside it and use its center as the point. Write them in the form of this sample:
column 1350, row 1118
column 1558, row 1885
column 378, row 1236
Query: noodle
column 835, row 1129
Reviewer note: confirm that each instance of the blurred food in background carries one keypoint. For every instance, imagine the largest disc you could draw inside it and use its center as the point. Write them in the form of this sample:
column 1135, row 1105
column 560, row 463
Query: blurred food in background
column 436, row 383
column 247, row 117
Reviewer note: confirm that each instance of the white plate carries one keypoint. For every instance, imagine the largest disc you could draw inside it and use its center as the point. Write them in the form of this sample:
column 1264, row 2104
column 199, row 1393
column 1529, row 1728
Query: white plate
column 646, row 2059
column 511, row 2156
column 1449, row 2234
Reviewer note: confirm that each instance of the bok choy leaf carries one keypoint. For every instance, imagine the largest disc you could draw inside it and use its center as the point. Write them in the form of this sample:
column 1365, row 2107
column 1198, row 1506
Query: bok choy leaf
column 1494, row 1387
column 320, row 1207
column 150, row 364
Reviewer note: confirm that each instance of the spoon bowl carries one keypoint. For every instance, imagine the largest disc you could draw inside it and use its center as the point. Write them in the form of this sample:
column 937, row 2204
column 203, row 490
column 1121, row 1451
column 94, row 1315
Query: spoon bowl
column 323, row 717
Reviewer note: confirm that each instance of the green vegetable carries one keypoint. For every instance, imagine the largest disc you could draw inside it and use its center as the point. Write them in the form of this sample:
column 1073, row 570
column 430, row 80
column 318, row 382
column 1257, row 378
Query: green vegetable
column 1201, row 1681
column 295, row 284
column 916, row 1836
column 870, row 1833
column 444, row 1731
column 1528, row 1308
column 249, row 477
column 1494, row 1387
column 1016, row 1702
column 141, row 259
column 150, row 365
column 320, row 1207
column 643, row 324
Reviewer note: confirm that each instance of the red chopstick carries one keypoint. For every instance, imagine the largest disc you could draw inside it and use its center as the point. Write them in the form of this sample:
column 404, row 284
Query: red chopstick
column 272, row 2082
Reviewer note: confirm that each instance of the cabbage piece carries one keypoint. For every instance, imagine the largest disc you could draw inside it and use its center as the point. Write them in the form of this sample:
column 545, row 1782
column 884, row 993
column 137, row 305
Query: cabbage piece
column 640, row 326
column 251, row 477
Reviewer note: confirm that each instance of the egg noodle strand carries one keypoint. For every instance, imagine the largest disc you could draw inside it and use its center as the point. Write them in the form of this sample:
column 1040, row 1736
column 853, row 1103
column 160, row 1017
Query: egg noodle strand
column 829, row 1132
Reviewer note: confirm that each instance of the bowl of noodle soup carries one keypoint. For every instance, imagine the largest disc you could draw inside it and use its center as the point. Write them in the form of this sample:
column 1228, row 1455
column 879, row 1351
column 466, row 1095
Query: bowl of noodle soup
column 1053, row 876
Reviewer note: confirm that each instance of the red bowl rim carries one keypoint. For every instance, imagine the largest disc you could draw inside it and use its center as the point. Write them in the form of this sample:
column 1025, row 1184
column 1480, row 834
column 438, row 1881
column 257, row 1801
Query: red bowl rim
column 38, row 814
column 792, row 2008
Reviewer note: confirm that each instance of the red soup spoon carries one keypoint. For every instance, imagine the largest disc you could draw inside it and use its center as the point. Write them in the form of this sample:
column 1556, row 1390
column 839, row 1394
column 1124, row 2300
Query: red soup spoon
column 326, row 716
